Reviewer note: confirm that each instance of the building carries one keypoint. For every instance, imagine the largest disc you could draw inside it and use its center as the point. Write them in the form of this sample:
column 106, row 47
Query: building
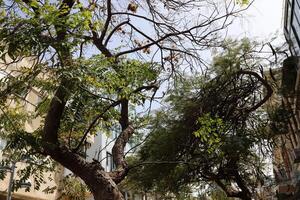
column 285, row 127
column 286, row 153
column 292, row 25
column 31, row 99
column 97, row 148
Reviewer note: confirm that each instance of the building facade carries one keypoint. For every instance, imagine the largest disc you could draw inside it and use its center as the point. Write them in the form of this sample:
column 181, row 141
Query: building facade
column 97, row 148
column 52, row 179
column 292, row 25
column 286, row 127
column 286, row 152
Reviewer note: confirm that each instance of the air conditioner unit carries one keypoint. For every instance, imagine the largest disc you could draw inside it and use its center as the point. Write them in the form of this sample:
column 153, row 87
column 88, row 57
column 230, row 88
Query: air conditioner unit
column 25, row 184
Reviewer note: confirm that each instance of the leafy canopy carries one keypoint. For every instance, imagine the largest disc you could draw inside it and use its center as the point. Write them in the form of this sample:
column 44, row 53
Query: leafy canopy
column 211, row 132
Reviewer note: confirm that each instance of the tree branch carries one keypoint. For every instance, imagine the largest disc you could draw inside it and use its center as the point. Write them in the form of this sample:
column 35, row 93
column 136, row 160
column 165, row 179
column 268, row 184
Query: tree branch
column 113, row 31
column 56, row 109
column 93, row 123
column 108, row 19
column 58, row 102
column 176, row 34
column 265, row 84
column 124, row 114
column 118, row 153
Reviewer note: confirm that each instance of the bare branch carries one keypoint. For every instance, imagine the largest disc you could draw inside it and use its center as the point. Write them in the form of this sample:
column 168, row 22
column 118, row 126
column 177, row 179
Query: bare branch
column 113, row 31
column 93, row 123
column 107, row 22
column 265, row 84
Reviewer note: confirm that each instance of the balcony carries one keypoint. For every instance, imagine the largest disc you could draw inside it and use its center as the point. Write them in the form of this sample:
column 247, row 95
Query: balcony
column 289, row 76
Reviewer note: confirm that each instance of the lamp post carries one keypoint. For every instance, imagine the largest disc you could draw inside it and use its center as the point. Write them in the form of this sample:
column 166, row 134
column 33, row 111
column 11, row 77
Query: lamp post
column 11, row 180
column 11, row 169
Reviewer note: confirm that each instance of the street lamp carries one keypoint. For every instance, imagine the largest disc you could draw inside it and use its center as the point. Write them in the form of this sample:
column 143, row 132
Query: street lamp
column 11, row 169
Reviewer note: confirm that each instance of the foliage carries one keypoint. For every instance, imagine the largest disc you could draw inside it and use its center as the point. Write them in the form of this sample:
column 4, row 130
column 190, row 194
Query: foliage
column 209, row 133
column 73, row 189
column 279, row 118
column 218, row 194
column 76, row 68
column 243, row 2
column 235, row 55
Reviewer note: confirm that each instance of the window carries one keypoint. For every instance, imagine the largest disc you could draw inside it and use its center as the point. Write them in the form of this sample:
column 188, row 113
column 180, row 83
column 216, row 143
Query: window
column 109, row 162
column 115, row 131
column 295, row 43
column 288, row 12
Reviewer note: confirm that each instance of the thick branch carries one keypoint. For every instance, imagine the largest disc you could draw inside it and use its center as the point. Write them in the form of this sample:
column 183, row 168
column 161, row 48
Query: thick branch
column 264, row 83
column 61, row 29
column 124, row 114
column 56, row 109
column 58, row 102
column 124, row 120
column 100, row 184
column 118, row 151
column 119, row 146
column 229, row 191
column 242, row 185
column 97, row 42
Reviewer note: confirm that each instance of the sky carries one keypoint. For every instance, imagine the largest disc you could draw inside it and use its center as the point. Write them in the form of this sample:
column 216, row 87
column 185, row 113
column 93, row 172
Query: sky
column 260, row 21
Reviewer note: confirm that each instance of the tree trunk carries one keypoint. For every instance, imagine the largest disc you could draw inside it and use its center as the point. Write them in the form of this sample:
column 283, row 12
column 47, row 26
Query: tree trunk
column 102, row 186
column 245, row 192
column 105, row 189
column 99, row 182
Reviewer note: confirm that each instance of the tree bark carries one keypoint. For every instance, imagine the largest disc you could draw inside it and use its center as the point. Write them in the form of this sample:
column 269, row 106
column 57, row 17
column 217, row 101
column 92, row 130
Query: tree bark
column 99, row 182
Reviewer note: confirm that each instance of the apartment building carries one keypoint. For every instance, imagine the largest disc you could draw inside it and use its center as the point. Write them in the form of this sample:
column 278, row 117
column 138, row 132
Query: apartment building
column 287, row 150
column 31, row 99
column 97, row 148
column 292, row 25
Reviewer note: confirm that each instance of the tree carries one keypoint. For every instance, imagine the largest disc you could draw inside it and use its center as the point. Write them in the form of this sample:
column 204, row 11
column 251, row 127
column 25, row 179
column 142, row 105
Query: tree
column 92, row 62
column 213, row 131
